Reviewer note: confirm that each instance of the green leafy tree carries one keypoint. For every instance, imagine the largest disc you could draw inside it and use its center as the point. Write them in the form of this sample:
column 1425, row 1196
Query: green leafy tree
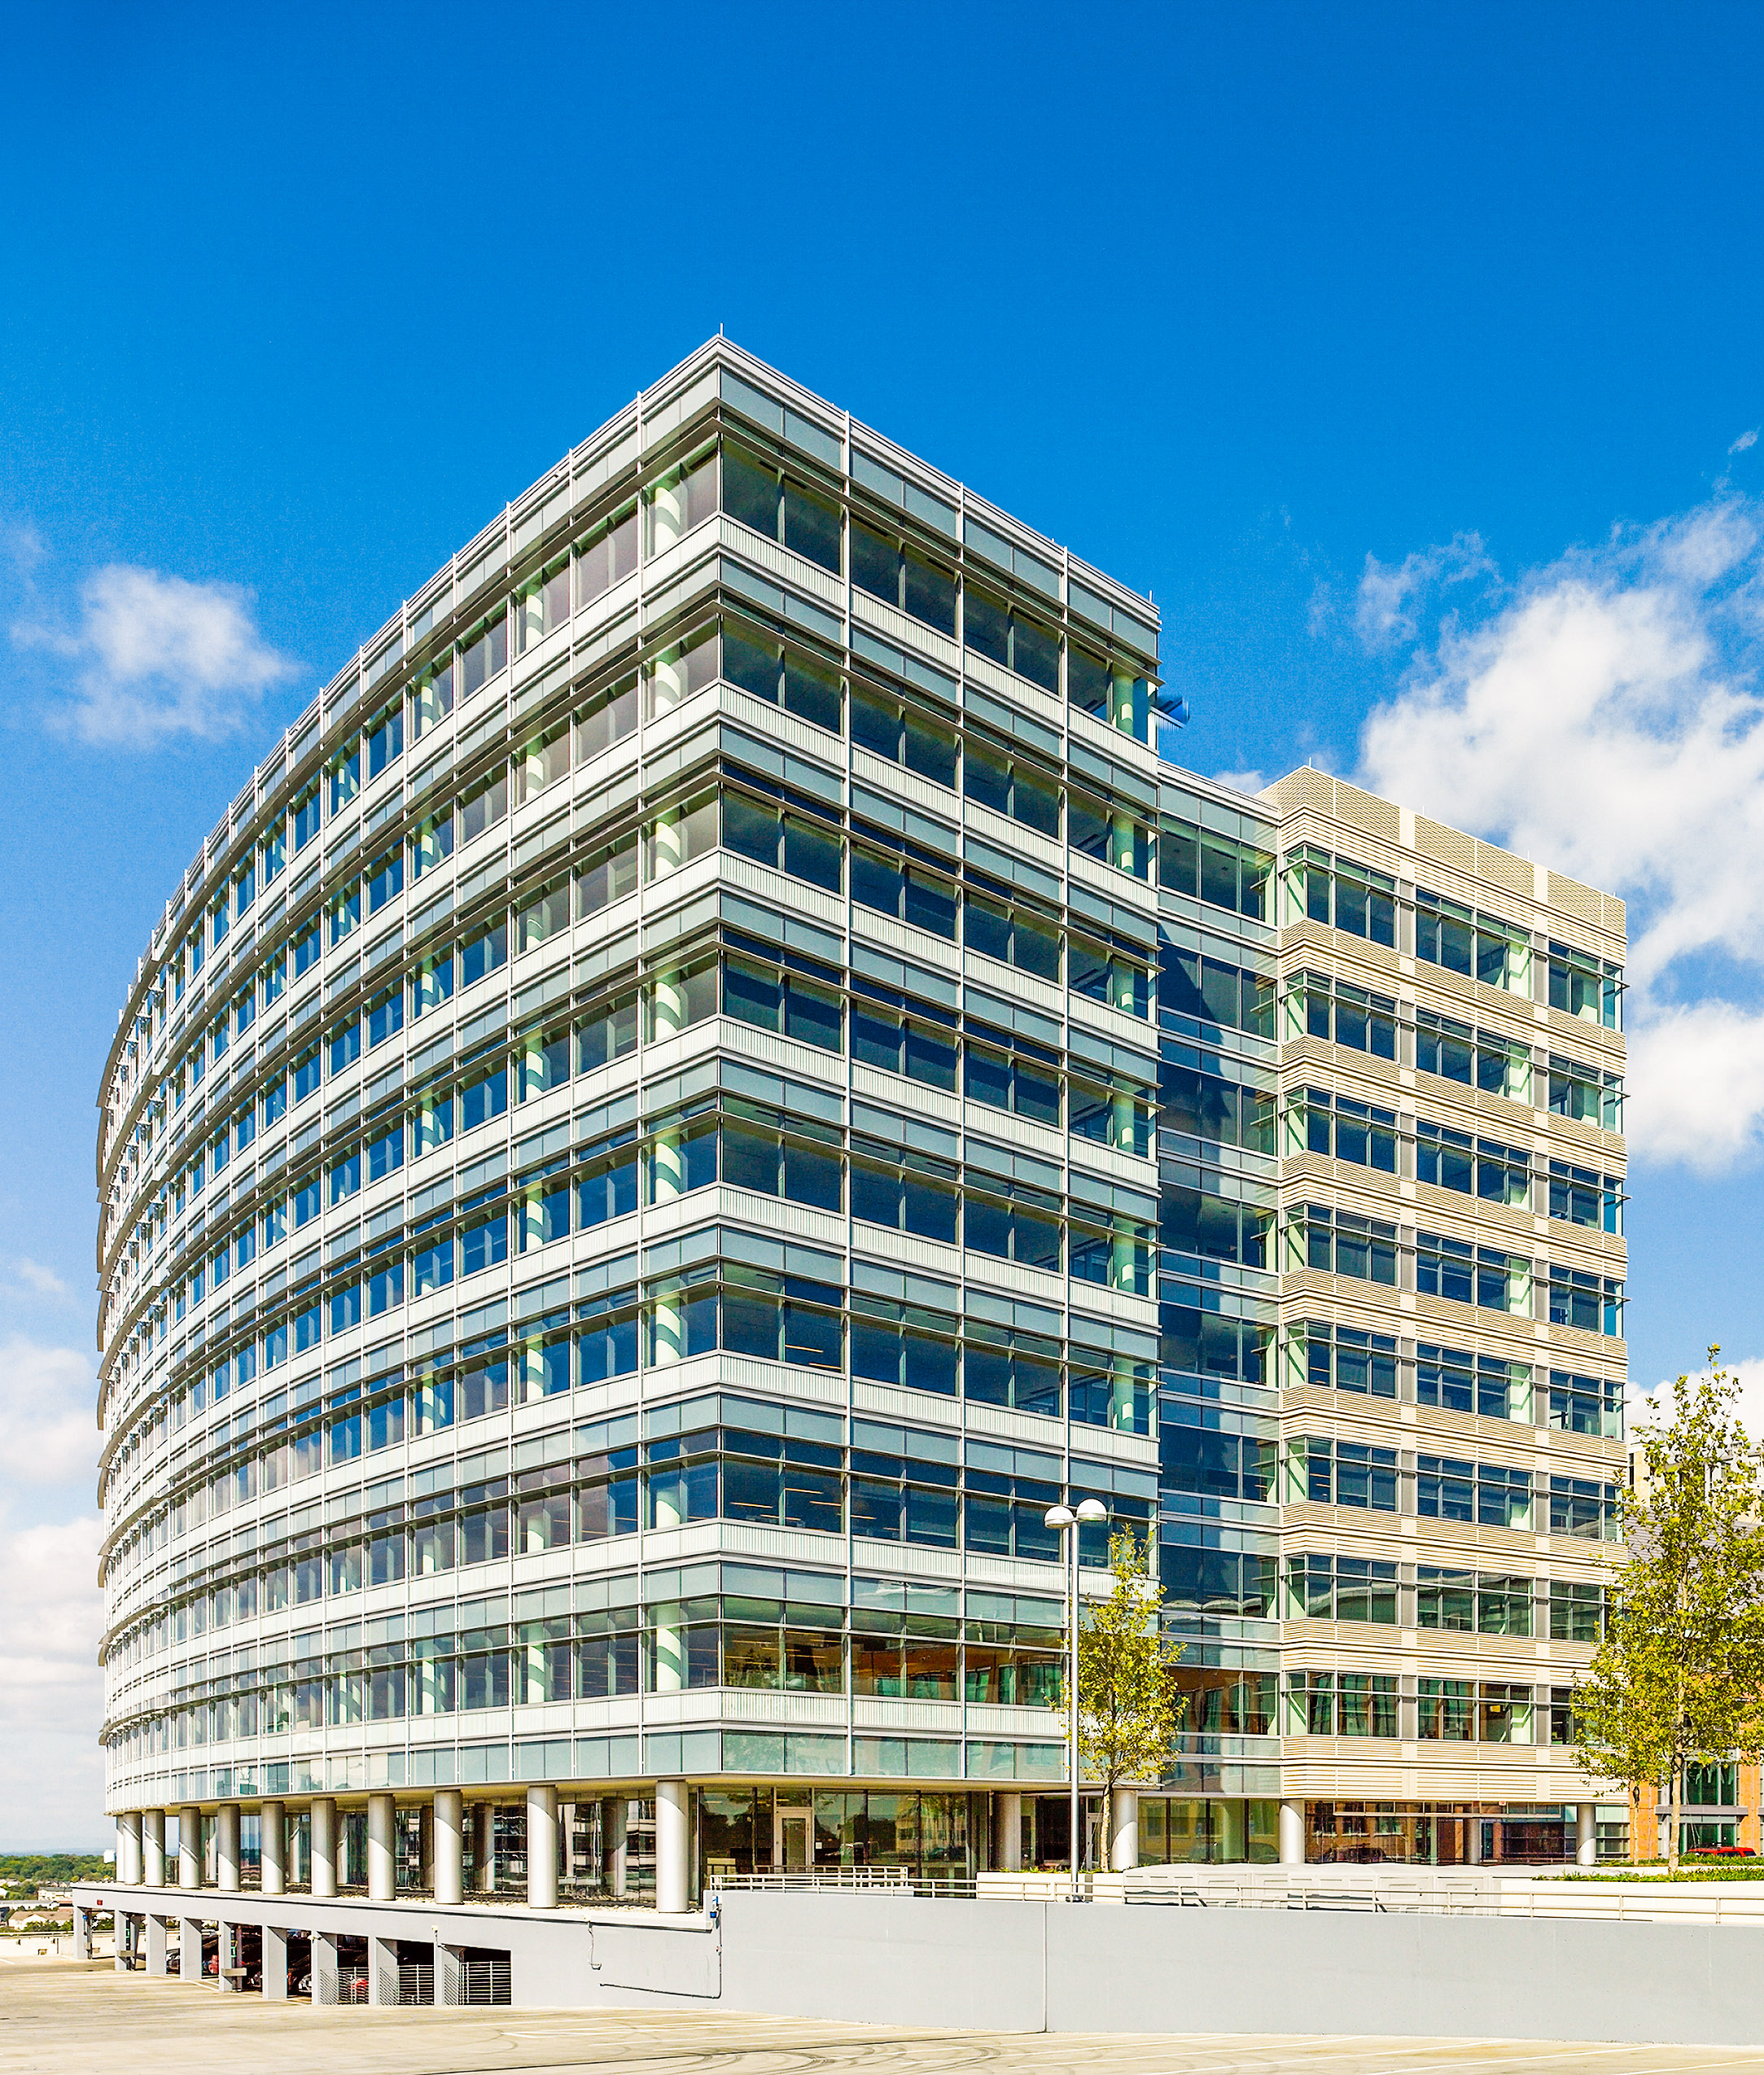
column 1679, row 1673
column 1128, row 1706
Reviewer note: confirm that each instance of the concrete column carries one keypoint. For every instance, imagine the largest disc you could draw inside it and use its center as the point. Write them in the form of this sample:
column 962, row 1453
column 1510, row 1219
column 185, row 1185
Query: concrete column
column 449, row 1851
column 188, row 1948
column 1473, row 1838
column 450, row 1976
column 1292, row 1833
column 121, row 1939
column 275, row 1952
column 82, row 1934
column 273, row 1848
column 381, row 1963
column 226, row 1847
column 614, row 1837
column 541, row 1848
column 153, row 1848
column 228, row 1955
column 325, row 1863
column 155, row 1945
column 1008, row 1823
column 380, row 1870
column 189, row 1847
column 324, row 1965
column 483, row 1847
column 1587, row 1835
column 129, row 1848
column 1124, row 1829
column 673, row 1847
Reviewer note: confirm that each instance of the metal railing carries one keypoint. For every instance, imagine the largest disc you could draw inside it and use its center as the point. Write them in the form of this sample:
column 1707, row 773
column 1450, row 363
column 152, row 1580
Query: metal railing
column 867, row 1879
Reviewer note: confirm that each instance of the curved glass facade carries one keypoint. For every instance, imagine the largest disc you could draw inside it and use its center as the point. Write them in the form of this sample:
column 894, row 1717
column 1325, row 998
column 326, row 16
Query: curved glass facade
column 714, row 1074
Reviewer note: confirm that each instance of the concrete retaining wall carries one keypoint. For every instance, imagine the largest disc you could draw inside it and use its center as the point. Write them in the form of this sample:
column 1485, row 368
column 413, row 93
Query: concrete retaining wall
column 1031, row 1966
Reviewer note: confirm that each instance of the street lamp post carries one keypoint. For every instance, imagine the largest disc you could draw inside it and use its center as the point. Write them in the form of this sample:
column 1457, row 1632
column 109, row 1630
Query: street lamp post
column 1068, row 1520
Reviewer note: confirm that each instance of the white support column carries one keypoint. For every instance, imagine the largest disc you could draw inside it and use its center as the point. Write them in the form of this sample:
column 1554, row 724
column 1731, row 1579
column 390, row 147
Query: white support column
column 228, row 1956
column 617, row 1841
column 1473, row 1839
column 449, row 1854
column 226, row 1847
column 542, row 1847
column 381, row 1822
column 153, row 1848
column 324, row 1881
column 190, row 1847
column 1586, row 1834
column 1009, row 1819
column 673, row 1847
column 324, row 1964
column 450, row 1975
column 153, row 1946
column 381, row 1968
column 483, row 1847
column 188, row 1948
column 1124, row 1829
column 82, row 1934
column 129, row 1848
column 275, row 1953
column 1292, row 1833
column 121, row 1939
column 273, row 1848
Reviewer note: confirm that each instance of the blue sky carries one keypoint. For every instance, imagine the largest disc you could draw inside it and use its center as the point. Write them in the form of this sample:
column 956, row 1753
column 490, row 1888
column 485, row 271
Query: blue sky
column 1408, row 357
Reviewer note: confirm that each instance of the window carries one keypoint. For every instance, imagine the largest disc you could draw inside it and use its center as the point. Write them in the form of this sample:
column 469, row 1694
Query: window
column 484, row 655
column 1577, row 1615
column 345, row 912
column 680, row 833
column 385, row 739
column 483, row 804
column 1340, row 1358
column 678, row 997
column 431, row 843
column 1586, row 1404
column 1026, row 1232
column 903, row 734
column 1011, row 786
column 608, row 717
column 1335, row 891
column 608, row 1032
column 432, row 697
column 486, row 949
column 1341, row 1588
column 1450, row 1159
column 1340, row 1243
column 1477, row 946
column 1207, row 1107
column 783, row 1002
column 783, row 509
column 1445, row 1710
column 1585, row 1094
column 1197, row 994
column 915, row 1047
column 998, row 629
column 1346, row 1473
column 781, row 676
column 894, row 571
column 1471, row 1275
column 1454, row 1380
column 541, row 760
column 385, row 880
column 306, row 812
column 1005, row 1081
column 1122, row 1115
column 1591, row 1303
column 1581, row 1196
column 1013, row 935
column 910, row 892
column 542, row 604
column 607, row 557
column 1585, row 1507
column 1344, row 1015
column 1119, row 694
column 1336, row 1127
column 1112, row 837
column 904, row 1345
column 306, row 949
column 1105, row 973
column 544, row 912
column 1473, row 1058
column 807, row 848
column 1588, row 988
column 345, row 776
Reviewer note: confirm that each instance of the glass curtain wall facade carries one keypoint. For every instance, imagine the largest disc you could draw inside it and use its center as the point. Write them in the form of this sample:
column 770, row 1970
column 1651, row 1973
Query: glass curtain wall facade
column 714, row 1074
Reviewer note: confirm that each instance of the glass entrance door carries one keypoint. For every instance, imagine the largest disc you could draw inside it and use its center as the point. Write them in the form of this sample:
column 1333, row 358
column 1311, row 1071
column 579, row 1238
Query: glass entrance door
column 790, row 1845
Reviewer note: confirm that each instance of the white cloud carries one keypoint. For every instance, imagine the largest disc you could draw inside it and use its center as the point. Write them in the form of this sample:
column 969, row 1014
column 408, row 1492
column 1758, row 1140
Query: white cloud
column 1389, row 592
column 51, row 1689
column 155, row 656
column 1603, row 718
column 1749, row 439
column 1242, row 782
column 48, row 1434
column 43, row 1281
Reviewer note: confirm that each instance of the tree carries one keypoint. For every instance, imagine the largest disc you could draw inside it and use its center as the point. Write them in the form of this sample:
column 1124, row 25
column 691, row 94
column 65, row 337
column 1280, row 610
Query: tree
column 1127, row 1703
column 1679, row 1672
